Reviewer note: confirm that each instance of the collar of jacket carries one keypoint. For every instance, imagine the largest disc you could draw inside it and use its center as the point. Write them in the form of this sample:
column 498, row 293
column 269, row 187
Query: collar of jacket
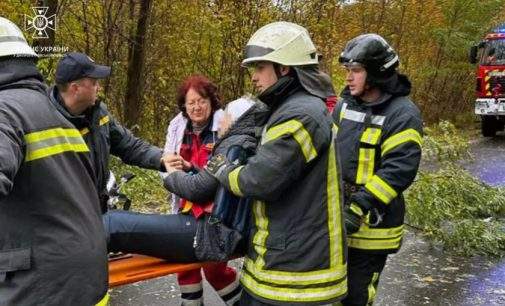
column 177, row 126
column 383, row 99
column 278, row 92
column 20, row 73
column 204, row 131
column 57, row 100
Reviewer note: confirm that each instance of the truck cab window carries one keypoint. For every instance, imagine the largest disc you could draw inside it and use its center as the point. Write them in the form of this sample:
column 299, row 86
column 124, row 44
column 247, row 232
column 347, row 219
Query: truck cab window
column 493, row 53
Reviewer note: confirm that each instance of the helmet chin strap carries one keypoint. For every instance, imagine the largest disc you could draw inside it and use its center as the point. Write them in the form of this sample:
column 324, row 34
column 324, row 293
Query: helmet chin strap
column 277, row 90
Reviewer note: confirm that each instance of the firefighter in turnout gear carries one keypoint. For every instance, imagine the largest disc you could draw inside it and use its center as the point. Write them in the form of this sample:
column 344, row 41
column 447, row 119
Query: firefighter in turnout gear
column 52, row 240
column 379, row 136
column 296, row 252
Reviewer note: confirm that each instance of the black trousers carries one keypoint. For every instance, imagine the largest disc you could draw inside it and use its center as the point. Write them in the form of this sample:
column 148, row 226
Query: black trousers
column 164, row 236
column 363, row 272
column 248, row 300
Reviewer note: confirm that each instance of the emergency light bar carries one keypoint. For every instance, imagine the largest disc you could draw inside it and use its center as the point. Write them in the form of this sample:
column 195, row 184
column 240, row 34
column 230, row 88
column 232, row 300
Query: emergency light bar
column 496, row 35
column 499, row 29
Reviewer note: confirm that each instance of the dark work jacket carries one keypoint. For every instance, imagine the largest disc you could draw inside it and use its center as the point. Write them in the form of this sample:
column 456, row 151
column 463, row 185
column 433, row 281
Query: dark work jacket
column 52, row 241
column 105, row 136
column 296, row 247
column 380, row 151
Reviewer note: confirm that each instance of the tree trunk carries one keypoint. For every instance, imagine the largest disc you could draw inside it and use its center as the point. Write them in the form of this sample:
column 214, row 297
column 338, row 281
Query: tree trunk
column 136, row 63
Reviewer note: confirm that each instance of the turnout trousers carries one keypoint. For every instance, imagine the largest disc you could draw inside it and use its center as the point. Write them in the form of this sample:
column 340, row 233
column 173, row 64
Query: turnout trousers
column 363, row 272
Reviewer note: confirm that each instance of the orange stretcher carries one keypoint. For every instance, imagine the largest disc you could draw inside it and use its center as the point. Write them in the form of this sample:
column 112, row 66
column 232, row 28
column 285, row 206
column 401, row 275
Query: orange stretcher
column 130, row 268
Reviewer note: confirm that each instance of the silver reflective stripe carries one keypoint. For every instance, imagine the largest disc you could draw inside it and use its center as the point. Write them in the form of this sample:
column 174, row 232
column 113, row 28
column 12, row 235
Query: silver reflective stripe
column 378, row 120
column 391, row 62
column 360, row 117
column 354, row 115
column 55, row 141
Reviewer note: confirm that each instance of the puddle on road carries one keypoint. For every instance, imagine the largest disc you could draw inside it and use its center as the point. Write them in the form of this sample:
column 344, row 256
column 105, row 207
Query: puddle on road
column 489, row 161
column 423, row 275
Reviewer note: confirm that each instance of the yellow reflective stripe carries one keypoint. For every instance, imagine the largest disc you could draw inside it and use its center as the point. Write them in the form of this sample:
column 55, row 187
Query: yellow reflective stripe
column 372, row 291
column 104, row 301
column 367, row 244
column 366, row 160
column 371, row 135
column 294, row 294
column 105, row 119
column 400, row 138
column 56, row 149
column 376, row 238
column 299, row 133
column 333, row 187
column 342, row 112
column 233, row 180
column 84, row 131
column 337, row 270
column 260, row 237
column 381, row 190
column 295, row 278
column 378, row 233
column 51, row 133
column 53, row 141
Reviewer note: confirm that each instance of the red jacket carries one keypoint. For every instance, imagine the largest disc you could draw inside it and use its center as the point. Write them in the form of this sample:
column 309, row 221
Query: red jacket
column 197, row 150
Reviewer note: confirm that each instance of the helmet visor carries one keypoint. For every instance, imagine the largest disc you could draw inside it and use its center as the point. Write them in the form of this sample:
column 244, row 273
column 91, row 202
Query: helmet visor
column 253, row 51
column 352, row 65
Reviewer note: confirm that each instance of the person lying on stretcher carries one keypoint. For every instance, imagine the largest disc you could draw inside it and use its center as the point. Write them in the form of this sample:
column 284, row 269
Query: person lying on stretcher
column 181, row 237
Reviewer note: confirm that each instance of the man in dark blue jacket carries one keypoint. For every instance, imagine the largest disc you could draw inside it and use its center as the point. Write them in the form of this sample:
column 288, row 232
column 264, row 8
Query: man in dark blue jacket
column 75, row 96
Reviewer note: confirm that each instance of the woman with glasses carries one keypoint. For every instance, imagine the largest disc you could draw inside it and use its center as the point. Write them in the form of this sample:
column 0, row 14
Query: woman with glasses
column 191, row 137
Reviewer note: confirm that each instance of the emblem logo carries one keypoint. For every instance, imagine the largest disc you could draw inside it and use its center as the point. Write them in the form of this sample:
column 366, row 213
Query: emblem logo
column 40, row 22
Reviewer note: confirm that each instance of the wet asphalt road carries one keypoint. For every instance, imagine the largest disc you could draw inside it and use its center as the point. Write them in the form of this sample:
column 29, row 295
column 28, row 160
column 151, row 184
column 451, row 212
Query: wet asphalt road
column 420, row 274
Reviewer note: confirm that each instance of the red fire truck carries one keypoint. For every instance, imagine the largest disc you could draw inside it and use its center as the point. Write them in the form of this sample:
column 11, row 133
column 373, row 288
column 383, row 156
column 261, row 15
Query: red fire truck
column 490, row 89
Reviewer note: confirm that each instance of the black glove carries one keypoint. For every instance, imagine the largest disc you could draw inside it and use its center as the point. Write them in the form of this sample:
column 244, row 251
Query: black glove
column 353, row 215
column 219, row 167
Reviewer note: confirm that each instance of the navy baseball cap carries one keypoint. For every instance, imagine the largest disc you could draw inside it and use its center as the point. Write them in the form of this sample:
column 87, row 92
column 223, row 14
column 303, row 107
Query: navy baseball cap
column 74, row 66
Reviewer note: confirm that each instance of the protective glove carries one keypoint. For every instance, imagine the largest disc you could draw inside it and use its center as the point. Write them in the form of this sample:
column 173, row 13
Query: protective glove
column 219, row 167
column 353, row 218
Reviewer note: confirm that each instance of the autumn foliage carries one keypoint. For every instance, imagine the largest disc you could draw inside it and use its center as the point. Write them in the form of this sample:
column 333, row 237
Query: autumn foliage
column 169, row 40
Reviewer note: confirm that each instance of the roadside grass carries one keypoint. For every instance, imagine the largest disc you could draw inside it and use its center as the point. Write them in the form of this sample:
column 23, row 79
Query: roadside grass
column 452, row 207
column 145, row 190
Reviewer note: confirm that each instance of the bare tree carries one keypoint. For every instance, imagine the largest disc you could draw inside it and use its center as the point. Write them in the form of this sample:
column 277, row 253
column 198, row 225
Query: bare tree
column 136, row 63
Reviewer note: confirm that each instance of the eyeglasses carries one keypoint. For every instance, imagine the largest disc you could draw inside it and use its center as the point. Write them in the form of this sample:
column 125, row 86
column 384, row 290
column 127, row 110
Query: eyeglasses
column 196, row 103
